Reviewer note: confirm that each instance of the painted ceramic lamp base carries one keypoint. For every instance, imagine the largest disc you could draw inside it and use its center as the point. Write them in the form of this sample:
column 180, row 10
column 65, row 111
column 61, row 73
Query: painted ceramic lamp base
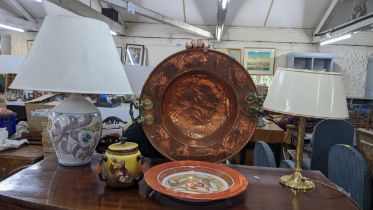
column 74, row 127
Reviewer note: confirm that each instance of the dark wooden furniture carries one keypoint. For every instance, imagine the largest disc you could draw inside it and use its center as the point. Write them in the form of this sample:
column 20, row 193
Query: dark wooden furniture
column 46, row 185
column 365, row 146
column 16, row 158
column 270, row 133
column 361, row 112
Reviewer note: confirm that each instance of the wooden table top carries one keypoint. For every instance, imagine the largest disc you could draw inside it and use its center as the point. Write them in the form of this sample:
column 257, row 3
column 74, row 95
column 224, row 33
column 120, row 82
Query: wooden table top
column 28, row 151
column 270, row 133
column 46, row 185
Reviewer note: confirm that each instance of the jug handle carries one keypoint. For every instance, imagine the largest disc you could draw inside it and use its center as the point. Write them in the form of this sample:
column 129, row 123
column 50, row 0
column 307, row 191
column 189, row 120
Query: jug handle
column 141, row 161
column 101, row 169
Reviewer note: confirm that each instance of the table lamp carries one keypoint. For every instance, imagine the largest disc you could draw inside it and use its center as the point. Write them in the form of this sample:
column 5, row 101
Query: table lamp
column 74, row 55
column 305, row 93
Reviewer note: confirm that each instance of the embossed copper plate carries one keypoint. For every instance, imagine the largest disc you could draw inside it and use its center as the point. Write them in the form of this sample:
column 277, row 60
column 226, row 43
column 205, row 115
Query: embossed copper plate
column 199, row 107
column 195, row 180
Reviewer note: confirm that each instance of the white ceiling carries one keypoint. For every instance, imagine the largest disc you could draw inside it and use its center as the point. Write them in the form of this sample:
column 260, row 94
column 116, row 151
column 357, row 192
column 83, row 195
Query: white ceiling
column 249, row 13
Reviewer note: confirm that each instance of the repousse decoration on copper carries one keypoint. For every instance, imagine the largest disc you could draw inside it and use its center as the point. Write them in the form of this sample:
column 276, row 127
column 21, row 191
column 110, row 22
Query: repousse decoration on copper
column 199, row 110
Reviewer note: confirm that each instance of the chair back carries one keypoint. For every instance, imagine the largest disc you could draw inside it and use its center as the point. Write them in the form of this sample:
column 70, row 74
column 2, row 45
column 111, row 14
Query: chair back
column 287, row 164
column 263, row 155
column 349, row 170
column 328, row 133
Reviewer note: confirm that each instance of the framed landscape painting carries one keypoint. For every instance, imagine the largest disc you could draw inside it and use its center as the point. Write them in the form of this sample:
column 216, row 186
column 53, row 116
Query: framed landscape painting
column 234, row 53
column 259, row 61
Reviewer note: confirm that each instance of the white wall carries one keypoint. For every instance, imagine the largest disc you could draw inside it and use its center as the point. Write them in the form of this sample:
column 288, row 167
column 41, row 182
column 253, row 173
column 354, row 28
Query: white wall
column 161, row 41
column 352, row 62
column 369, row 86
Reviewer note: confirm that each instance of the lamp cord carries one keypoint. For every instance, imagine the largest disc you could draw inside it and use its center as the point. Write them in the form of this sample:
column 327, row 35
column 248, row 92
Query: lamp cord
column 340, row 189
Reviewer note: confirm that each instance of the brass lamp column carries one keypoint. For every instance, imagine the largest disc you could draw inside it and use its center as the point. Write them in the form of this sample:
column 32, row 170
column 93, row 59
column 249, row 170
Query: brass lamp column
column 305, row 93
column 296, row 180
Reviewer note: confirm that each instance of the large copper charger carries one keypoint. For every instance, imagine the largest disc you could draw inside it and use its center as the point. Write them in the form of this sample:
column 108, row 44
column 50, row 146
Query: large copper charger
column 199, row 109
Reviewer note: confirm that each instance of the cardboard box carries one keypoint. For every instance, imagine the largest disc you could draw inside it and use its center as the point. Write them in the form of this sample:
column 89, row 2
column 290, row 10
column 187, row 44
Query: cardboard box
column 42, row 102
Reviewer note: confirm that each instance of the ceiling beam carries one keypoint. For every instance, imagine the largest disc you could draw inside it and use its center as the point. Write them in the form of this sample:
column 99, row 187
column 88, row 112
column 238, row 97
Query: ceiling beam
column 325, row 17
column 18, row 22
column 222, row 13
column 136, row 9
column 82, row 9
column 268, row 13
column 355, row 25
column 17, row 6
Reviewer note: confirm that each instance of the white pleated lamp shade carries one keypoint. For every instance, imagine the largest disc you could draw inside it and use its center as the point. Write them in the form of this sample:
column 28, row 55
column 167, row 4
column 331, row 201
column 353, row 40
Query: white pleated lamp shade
column 73, row 55
column 307, row 93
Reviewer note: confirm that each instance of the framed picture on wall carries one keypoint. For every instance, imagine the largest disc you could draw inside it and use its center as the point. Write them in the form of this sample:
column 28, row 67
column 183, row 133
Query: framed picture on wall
column 134, row 54
column 29, row 44
column 119, row 49
column 234, row 53
column 259, row 61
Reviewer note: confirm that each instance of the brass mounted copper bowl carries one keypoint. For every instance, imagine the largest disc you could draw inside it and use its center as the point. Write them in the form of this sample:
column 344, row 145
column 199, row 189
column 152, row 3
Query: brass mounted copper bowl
column 199, row 108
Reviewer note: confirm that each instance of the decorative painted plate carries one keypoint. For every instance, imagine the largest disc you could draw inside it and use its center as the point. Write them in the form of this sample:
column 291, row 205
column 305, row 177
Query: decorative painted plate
column 198, row 109
column 195, row 180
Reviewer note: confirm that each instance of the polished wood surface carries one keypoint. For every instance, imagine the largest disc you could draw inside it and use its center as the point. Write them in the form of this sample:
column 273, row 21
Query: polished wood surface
column 14, row 158
column 270, row 133
column 46, row 185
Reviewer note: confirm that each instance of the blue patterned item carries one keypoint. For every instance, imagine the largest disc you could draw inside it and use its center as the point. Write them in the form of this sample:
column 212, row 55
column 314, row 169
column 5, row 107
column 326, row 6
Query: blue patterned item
column 263, row 155
column 328, row 133
column 349, row 170
column 287, row 164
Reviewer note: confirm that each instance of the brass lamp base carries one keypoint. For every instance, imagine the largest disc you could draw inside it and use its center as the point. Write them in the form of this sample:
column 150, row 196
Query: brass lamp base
column 296, row 181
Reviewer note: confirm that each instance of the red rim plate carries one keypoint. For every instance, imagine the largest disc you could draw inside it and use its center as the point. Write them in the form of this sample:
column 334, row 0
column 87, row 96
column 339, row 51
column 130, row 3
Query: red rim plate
column 239, row 181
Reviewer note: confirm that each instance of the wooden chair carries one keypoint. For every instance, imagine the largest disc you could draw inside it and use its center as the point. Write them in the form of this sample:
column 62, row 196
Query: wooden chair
column 364, row 140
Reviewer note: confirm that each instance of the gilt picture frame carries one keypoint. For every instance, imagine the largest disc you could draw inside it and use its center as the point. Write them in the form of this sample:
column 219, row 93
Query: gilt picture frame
column 29, row 44
column 233, row 52
column 259, row 61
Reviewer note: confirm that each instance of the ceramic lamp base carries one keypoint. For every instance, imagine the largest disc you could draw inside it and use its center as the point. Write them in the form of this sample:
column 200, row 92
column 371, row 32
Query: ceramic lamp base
column 296, row 181
column 74, row 128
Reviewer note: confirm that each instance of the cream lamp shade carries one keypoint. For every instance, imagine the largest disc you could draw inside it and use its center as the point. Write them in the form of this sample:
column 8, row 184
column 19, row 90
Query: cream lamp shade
column 307, row 93
column 73, row 55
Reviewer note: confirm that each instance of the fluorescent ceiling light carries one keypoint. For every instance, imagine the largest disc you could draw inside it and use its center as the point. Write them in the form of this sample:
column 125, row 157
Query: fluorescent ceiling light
column 224, row 3
column 38, row 1
column 336, row 39
column 113, row 33
column 219, row 31
column 11, row 28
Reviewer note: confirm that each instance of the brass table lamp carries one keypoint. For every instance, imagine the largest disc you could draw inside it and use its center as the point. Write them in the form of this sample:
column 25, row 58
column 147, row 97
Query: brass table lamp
column 305, row 93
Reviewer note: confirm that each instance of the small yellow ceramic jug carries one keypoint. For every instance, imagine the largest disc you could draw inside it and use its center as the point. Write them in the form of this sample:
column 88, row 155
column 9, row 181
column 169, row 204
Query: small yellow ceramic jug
column 120, row 167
